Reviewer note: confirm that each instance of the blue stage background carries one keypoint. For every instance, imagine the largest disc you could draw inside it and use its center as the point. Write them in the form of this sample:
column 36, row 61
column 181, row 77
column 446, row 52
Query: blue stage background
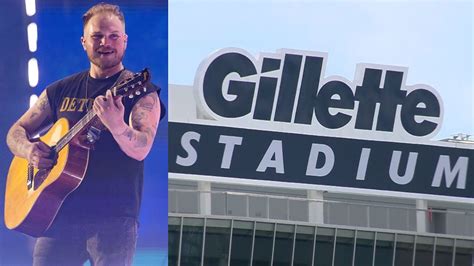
column 60, row 54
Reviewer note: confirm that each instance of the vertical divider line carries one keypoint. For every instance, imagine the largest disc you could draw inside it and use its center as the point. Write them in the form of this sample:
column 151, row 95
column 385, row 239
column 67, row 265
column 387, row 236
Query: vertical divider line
column 294, row 243
column 253, row 242
column 203, row 241
column 334, row 247
column 374, row 249
column 230, row 241
column 354, row 248
column 314, row 244
column 434, row 250
column 273, row 243
column 454, row 252
column 414, row 251
column 180, row 239
column 394, row 249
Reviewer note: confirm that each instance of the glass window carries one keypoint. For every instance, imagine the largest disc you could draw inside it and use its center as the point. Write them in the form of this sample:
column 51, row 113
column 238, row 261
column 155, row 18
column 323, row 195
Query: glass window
column 404, row 250
column 412, row 220
column 262, row 253
column 344, row 247
column 438, row 221
column 174, row 226
column 241, row 249
column 384, row 248
column 188, row 201
column 424, row 250
column 278, row 208
column 470, row 224
column 337, row 213
column 324, row 246
column 191, row 246
column 456, row 222
column 364, row 248
column 358, row 215
column 236, row 205
column 464, row 255
column 444, row 251
column 283, row 245
column 172, row 201
column 304, row 246
column 378, row 217
column 216, row 250
column 218, row 203
column 299, row 210
column 258, row 207
column 398, row 218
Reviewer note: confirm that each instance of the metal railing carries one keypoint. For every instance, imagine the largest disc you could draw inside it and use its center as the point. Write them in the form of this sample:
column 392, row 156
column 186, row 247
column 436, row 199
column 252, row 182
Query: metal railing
column 335, row 212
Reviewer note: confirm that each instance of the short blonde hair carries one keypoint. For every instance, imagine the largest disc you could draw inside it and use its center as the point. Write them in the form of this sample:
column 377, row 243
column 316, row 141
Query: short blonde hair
column 102, row 8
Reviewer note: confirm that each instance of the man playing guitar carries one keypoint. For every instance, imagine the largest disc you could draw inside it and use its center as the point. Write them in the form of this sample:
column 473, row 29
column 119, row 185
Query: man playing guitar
column 98, row 220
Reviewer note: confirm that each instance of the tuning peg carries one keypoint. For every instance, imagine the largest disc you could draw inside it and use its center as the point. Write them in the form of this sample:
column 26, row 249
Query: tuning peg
column 137, row 92
column 144, row 89
column 130, row 96
column 125, row 89
column 139, row 83
column 132, row 86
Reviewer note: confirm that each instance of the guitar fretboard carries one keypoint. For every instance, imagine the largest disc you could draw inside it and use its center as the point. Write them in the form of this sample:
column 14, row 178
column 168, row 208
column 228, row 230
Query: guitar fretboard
column 76, row 129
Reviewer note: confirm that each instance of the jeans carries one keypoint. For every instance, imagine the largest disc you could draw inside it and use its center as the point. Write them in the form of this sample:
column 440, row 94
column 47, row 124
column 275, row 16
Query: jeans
column 110, row 241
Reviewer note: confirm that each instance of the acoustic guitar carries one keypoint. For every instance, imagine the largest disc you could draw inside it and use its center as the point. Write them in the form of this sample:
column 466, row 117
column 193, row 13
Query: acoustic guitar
column 33, row 197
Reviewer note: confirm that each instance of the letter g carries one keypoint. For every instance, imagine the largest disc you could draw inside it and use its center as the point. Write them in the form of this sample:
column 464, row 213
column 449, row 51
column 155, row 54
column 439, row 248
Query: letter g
column 214, row 76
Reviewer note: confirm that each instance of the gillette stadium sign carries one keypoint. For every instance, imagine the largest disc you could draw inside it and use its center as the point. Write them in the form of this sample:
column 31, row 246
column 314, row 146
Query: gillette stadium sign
column 278, row 118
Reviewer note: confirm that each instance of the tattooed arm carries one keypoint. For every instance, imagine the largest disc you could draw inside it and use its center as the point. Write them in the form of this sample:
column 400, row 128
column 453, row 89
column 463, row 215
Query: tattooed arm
column 33, row 121
column 136, row 138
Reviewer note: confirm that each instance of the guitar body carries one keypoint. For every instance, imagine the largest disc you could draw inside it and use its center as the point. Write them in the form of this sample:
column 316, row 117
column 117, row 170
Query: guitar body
column 31, row 207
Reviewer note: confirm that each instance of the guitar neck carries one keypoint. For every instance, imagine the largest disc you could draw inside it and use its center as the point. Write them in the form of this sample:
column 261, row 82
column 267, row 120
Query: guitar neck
column 89, row 119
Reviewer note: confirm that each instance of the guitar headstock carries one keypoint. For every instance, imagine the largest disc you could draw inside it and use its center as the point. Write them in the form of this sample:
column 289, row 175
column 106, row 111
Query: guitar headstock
column 133, row 86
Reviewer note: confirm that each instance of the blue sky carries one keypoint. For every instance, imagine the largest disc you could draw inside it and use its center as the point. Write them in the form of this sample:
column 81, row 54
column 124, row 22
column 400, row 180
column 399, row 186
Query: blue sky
column 434, row 39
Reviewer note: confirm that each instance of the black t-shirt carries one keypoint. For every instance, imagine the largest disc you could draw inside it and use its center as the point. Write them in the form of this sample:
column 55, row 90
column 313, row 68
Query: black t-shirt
column 113, row 182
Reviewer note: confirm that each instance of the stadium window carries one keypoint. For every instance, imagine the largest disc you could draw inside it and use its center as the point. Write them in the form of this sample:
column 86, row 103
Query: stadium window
column 364, row 248
column 216, row 247
column 304, row 243
column 191, row 243
column 384, row 248
column 241, row 249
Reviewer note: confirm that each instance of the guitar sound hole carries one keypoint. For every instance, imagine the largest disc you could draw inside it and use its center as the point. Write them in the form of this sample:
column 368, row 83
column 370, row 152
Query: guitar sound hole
column 39, row 178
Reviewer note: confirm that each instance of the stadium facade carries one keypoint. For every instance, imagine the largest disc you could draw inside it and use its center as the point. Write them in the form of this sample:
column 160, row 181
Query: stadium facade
column 273, row 163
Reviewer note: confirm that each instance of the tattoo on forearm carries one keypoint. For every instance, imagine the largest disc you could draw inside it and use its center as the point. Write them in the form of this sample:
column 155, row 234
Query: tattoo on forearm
column 142, row 141
column 128, row 133
column 43, row 103
column 141, row 134
column 17, row 140
column 150, row 132
column 18, row 135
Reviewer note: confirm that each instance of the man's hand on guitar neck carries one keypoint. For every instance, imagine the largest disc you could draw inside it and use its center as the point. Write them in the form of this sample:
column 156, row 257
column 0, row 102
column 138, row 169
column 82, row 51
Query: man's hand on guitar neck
column 109, row 110
column 136, row 138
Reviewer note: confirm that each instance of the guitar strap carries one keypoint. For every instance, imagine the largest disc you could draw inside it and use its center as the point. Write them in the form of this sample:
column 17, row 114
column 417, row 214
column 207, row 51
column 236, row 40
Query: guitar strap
column 93, row 133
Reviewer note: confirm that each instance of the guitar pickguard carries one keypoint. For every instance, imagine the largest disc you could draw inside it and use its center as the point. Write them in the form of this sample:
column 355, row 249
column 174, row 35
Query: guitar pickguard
column 40, row 177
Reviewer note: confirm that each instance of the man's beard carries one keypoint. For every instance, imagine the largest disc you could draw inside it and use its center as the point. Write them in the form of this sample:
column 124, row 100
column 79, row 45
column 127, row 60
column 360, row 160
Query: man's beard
column 105, row 63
